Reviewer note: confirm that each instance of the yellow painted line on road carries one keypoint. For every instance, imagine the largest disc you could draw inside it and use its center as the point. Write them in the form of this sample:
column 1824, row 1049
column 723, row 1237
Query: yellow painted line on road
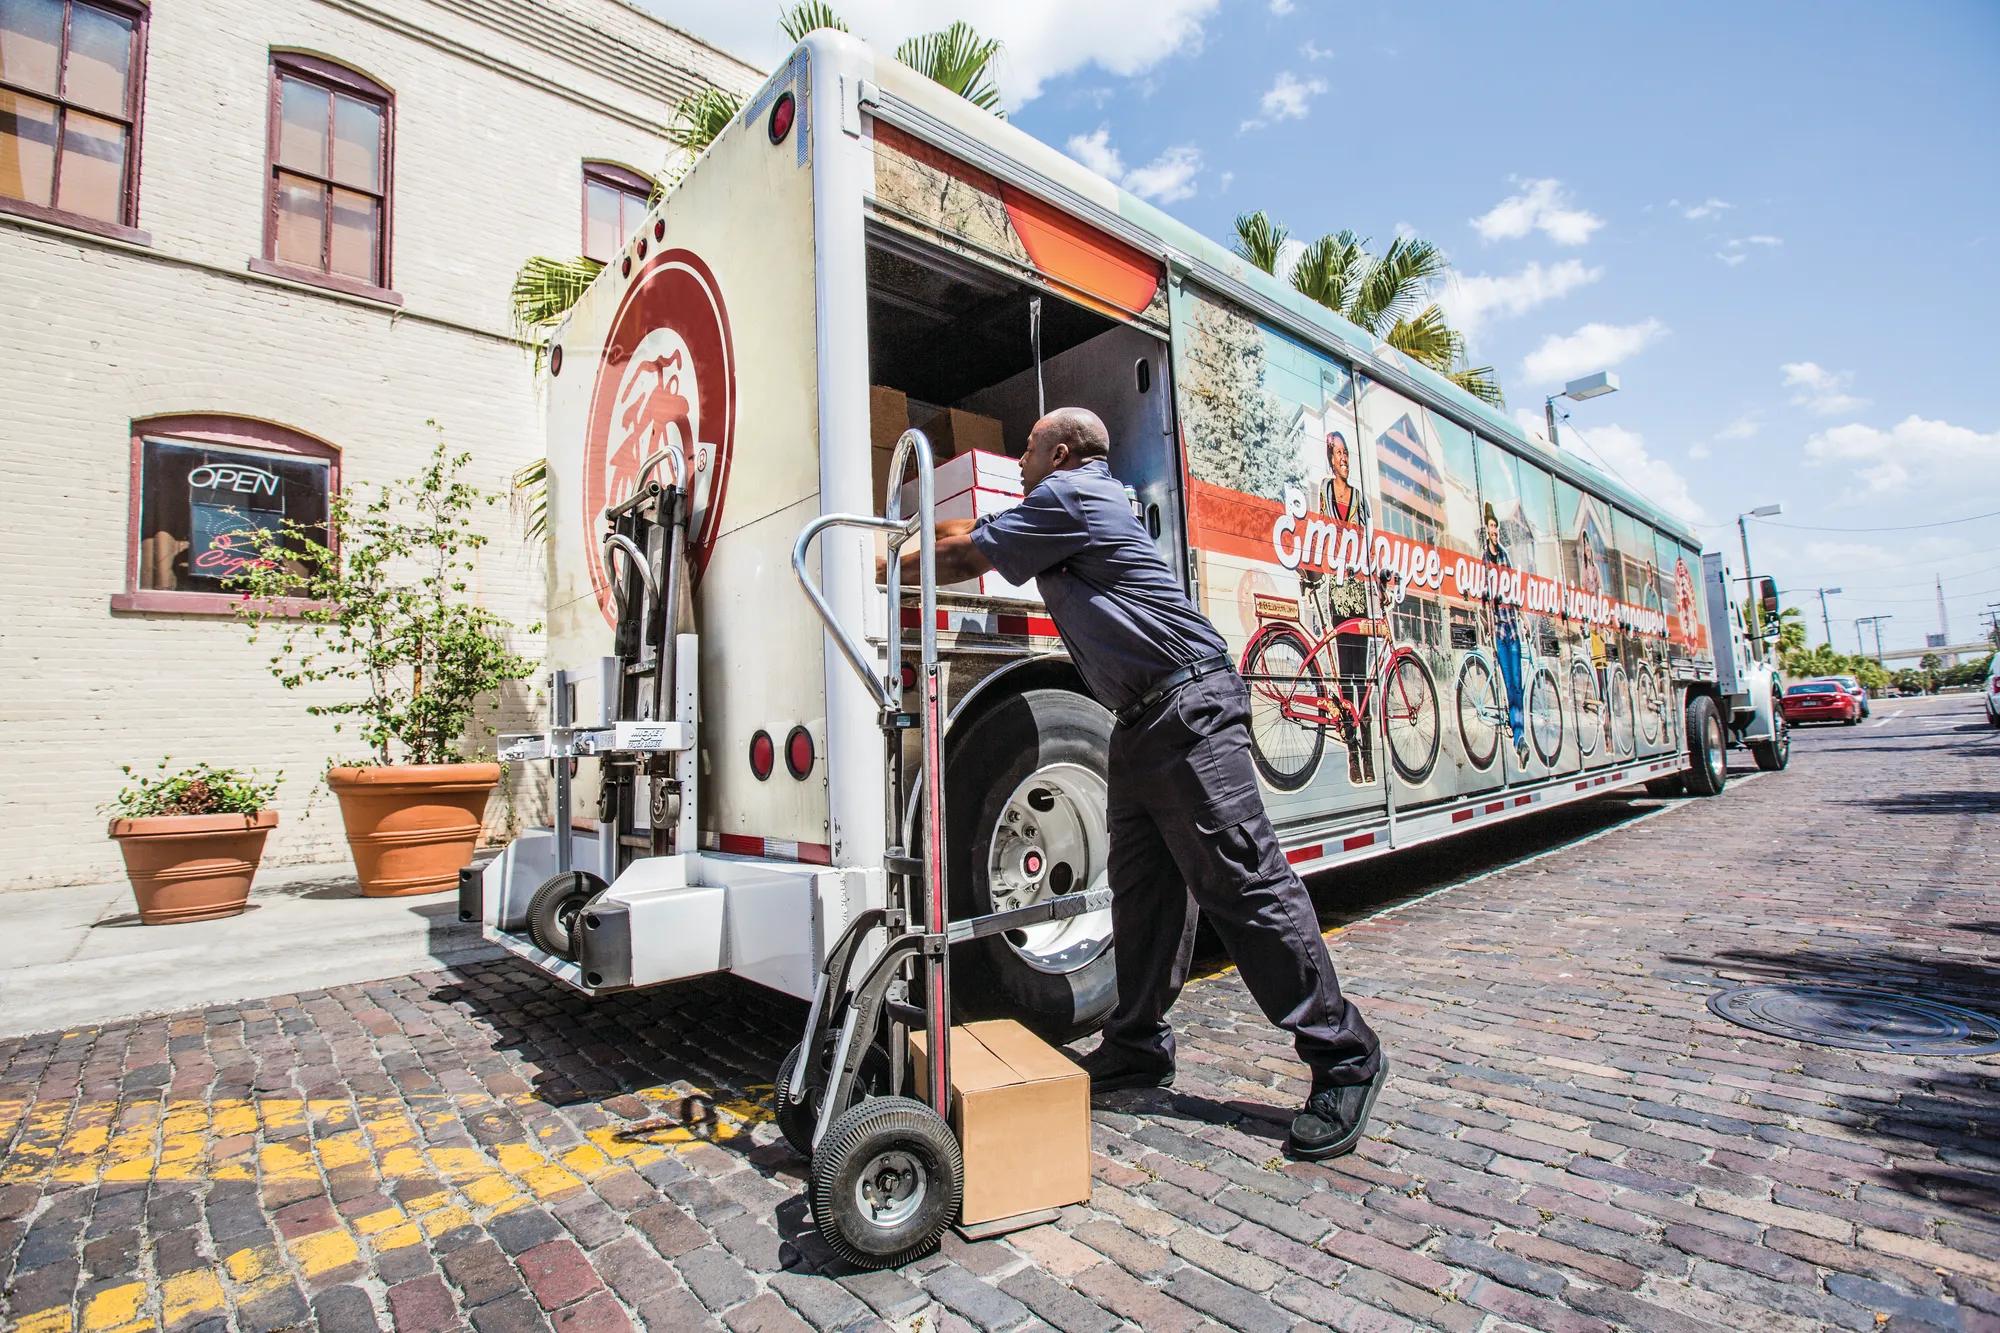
column 117, row 1310
column 187, row 1295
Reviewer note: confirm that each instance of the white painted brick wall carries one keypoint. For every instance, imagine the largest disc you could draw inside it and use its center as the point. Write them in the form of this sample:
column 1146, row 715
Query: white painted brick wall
column 95, row 335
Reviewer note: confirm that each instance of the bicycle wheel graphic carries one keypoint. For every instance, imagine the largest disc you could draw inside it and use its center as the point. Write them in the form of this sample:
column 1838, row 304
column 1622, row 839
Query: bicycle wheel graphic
column 1410, row 718
column 1652, row 716
column 1620, row 704
column 1589, row 709
column 1545, row 715
column 1481, row 715
column 1279, row 670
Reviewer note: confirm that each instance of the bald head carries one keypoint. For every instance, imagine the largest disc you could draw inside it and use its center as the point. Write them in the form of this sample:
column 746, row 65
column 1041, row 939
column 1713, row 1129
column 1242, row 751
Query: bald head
column 1067, row 437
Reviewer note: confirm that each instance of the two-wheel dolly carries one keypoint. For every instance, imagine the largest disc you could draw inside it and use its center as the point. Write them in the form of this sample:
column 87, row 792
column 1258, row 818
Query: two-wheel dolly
column 887, row 1175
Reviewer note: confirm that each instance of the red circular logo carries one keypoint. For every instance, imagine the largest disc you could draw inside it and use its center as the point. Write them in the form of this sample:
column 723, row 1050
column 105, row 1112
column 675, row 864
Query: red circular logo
column 667, row 381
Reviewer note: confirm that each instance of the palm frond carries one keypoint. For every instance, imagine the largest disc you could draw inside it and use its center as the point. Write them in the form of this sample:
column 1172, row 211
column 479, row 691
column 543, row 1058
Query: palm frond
column 809, row 16
column 1328, row 268
column 1426, row 339
column 1396, row 282
column 531, row 496
column 543, row 292
column 1480, row 382
column 700, row 117
column 1260, row 240
column 960, row 59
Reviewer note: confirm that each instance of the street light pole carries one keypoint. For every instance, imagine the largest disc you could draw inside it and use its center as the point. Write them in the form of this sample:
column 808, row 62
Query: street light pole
column 1749, row 574
column 1578, row 390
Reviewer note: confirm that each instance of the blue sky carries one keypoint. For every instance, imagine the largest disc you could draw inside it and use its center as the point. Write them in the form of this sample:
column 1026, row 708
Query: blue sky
column 1780, row 225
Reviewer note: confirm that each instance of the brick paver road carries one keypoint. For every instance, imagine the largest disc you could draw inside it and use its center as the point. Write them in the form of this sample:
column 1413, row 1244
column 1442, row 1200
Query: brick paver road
column 1571, row 1140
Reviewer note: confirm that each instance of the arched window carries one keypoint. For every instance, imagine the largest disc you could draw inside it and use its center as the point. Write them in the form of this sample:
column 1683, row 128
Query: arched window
column 198, row 483
column 614, row 204
column 327, row 182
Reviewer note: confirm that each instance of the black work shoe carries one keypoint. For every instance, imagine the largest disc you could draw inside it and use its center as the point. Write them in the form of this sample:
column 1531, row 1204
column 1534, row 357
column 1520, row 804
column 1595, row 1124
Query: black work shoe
column 1333, row 1119
column 1111, row 1070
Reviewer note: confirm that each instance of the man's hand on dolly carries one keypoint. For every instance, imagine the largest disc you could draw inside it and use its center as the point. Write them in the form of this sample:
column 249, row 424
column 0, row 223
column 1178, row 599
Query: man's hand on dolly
column 957, row 558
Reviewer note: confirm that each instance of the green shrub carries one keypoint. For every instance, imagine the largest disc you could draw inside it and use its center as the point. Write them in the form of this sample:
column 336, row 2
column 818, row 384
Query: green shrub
column 200, row 790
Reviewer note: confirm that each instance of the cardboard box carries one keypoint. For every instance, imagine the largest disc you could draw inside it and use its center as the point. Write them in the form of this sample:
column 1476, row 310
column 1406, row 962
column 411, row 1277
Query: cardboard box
column 976, row 471
column 955, row 431
column 1021, row 1110
column 888, row 416
column 978, row 504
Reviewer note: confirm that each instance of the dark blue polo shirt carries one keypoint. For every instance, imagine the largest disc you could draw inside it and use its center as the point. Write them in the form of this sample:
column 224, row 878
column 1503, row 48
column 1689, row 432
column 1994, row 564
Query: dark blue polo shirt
column 1120, row 610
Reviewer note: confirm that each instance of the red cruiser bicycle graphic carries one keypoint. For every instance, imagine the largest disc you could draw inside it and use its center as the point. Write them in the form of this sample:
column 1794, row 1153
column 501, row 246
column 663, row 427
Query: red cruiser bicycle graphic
column 1296, row 699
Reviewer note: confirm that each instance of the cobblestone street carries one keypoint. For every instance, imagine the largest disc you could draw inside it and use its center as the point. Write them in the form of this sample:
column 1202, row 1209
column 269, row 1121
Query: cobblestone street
column 1571, row 1140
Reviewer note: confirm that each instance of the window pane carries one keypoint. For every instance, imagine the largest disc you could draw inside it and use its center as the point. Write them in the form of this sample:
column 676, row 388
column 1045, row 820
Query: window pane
column 27, row 149
column 601, row 234
column 199, row 503
column 100, row 61
column 631, row 212
column 357, row 144
column 30, row 43
column 301, row 221
column 356, row 229
column 303, row 111
column 93, row 167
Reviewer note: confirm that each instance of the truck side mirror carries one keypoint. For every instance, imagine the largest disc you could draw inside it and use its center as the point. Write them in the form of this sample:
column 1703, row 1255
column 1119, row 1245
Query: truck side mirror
column 1767, row 594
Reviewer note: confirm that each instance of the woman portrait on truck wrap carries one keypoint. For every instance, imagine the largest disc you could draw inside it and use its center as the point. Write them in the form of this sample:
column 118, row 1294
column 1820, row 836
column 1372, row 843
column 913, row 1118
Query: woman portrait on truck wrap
column 1346, row 598
column 1504, row 623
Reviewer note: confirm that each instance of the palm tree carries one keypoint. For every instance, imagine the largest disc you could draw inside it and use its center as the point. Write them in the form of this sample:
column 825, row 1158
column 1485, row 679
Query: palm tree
column 961, row 60
column 1791, row 630
column 809, row 16
column 1385, row 294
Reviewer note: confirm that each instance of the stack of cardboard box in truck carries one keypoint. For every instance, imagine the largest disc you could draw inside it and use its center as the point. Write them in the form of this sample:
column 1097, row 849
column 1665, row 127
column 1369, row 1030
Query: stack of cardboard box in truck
column 951, row 430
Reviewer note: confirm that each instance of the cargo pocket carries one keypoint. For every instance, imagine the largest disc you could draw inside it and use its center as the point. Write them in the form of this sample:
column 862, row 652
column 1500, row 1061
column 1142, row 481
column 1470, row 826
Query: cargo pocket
column 1227, row 811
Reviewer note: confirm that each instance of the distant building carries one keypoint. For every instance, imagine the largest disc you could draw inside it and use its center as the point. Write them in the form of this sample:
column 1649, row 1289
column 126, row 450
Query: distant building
column 249, row 249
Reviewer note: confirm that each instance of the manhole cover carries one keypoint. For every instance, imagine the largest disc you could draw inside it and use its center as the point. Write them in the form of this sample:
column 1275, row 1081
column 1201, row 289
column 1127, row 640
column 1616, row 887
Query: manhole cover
column 1859, row 1020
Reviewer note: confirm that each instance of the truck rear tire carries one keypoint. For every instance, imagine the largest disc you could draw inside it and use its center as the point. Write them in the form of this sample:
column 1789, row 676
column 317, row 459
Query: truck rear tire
column 1707, row 746
column 1026, row 815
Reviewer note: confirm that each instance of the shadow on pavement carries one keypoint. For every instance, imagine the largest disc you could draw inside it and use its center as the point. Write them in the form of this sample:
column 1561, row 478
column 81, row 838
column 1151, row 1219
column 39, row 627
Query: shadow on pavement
column 1935, row 803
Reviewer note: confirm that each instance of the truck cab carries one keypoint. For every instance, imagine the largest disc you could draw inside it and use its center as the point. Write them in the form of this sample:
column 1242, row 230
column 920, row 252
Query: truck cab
column 1748, row 680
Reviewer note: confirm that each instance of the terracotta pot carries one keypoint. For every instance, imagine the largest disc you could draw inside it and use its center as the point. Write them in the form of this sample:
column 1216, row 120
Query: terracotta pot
column 411, row 827
column 192, row 867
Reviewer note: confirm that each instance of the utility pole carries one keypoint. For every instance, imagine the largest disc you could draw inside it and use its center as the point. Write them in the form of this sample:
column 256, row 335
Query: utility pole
column 1824, row 618
column 1860, row 647
column 1944, row 625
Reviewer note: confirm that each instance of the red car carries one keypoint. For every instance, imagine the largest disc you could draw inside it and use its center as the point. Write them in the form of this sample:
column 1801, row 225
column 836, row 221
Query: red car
column 1820, row 701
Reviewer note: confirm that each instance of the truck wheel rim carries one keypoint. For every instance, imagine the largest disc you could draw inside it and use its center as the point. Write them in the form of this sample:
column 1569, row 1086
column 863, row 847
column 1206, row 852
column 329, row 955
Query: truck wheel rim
column 890, row 1189
column 1052, row 838
column 1712, row 747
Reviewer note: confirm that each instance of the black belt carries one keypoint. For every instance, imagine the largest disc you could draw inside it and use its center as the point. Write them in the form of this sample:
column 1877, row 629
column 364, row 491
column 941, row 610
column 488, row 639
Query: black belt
column 1167, row 684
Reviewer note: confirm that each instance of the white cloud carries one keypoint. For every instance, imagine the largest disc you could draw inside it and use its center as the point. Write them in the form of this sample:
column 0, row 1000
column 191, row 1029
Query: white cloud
column 1283, row 7
column 1741, row 428
column 1736, row 249
column 1819, row 389
column 1698, row 451
column 1708, row 208
column 1288, row 98
column 1043, row 39
column 1167, row 179
column 1914, row 449
column 1760, row 239
column 1471, row 299
column 1731, row 259
column 1541, row 205
column 1621, row 454
column 1224, row 181
column 1591, row 348
column 1312, row 50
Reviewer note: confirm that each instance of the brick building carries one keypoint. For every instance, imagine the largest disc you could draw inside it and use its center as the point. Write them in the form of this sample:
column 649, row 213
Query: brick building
column 248, row 249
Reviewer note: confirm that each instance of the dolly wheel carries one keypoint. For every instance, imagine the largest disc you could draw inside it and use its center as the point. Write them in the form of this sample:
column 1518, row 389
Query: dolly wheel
column 886, row 1182
column 797, row 1119
column 552, row 912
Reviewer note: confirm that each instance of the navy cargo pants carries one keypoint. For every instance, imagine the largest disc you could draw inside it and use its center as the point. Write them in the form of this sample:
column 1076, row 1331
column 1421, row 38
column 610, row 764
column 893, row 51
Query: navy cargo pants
column 1187, row 821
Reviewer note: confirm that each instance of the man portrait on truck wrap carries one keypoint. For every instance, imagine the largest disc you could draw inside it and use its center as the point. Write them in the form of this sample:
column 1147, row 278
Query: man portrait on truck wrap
column 1186, row 817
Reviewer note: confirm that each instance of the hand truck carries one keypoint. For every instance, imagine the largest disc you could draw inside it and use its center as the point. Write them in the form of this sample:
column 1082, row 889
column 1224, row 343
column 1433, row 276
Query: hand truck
column 886, row 1174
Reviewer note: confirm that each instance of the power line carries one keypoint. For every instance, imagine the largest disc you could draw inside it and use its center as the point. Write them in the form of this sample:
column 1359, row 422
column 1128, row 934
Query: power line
column 1899, row 527
column 1924, row 583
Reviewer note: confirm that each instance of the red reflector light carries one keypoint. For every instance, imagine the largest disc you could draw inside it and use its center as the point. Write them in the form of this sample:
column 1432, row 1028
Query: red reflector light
column 909, row 676
column 782, row 116
column 555, row 359
column 763, row 755
column 799, row 752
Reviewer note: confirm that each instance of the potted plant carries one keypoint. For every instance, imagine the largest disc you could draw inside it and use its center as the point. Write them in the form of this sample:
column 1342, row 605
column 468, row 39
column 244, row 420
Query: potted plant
column 379, row 600
column 191, row 840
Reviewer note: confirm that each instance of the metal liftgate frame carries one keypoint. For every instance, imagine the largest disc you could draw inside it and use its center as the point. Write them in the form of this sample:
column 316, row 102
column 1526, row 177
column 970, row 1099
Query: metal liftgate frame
column 829, row 1072
column 645, row 735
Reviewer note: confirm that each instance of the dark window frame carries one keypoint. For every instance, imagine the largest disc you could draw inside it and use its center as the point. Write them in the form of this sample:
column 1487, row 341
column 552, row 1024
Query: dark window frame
column 320, row 72
column 227, row 431
column 127, row 227
column 599, row 172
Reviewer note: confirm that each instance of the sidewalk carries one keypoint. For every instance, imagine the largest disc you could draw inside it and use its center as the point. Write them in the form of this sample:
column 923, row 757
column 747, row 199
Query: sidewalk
column 79, row 954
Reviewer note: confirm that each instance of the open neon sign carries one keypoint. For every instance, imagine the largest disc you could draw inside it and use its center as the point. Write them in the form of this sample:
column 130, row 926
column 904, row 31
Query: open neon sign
column 233, row 477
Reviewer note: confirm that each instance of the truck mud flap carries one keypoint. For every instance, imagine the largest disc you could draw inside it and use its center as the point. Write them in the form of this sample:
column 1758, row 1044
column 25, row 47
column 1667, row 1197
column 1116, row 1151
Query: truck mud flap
column 471, row 894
